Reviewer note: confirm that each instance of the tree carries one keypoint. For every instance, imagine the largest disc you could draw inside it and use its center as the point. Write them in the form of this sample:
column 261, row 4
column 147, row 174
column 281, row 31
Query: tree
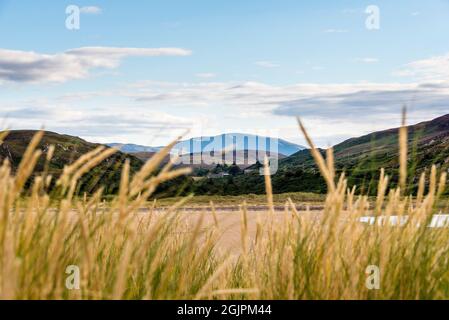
column 234, row 170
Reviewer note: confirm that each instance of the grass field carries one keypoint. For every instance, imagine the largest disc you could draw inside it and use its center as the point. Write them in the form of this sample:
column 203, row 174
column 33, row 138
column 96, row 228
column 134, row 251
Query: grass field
column 70, row 248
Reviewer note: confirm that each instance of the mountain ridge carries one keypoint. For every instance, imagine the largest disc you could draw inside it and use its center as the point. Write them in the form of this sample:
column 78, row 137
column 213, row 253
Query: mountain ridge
column 214, row 143
column 361, row 158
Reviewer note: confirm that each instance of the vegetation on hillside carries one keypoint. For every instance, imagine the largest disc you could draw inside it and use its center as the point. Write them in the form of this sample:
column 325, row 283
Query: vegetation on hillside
column 59, row 151
column 119, row 253
column 359, row 158
column 63, row 150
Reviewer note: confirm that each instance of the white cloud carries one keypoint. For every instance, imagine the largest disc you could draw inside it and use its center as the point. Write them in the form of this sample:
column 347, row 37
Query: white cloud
column 367, row 102
column 435, row 68
column 267, row 64
column 333, row 112
column 90, row 10
column 364, row 105
column 414, row 14
column 29, row 66
column 111, row 124
column 319, row 99
column 245, row 94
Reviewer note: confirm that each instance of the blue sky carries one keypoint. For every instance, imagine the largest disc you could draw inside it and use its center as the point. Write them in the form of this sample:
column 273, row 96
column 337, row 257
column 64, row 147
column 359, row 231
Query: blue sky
column 144, row 72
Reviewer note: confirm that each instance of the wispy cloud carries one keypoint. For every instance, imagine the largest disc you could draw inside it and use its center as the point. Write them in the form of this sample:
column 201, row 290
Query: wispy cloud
column 368, row 101
column 102, row 125
column 367, row 60
column 29, row 66
column 318, row 99
column 333, row 111
column 359, row 105
column 267, row 64
column 434, row 68
column 91, row 10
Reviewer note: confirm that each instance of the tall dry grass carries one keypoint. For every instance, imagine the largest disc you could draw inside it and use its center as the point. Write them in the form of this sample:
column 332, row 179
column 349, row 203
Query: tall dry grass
column 328, row 257
column 124, row 253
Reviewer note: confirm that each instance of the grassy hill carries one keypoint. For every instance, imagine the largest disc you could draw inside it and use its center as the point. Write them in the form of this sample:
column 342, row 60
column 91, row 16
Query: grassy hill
column 360, row 158
column 67, row 150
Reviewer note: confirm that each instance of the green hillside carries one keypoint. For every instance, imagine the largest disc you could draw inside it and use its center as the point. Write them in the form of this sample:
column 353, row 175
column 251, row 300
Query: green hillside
column 363, row 157
column 67, row 150
column 360, row 158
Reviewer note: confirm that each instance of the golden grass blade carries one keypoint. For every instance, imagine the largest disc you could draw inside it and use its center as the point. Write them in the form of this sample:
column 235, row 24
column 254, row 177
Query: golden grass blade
column 123, row 192
column 293, row 207
column 330, row 163
column 318, row 158
column 244, row 228
column 268, row 186
column 150, row 166
column 69, row 170
column 421, row 187
column 3, row 136
column 214, row 214
column 206, row 289
column 403, row 151
column 28, row 162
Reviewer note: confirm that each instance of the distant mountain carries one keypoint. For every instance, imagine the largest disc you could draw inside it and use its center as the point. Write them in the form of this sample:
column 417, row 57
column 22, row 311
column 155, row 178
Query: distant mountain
column 133, row 148
column 225, row 142
column 220, row 143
